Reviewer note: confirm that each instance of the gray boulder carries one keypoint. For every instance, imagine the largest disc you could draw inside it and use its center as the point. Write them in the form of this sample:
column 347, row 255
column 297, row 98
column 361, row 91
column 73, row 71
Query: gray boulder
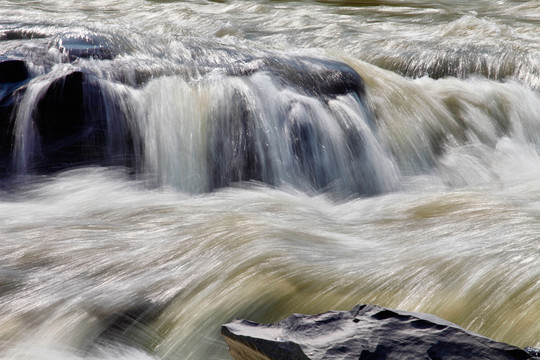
column 367, row 332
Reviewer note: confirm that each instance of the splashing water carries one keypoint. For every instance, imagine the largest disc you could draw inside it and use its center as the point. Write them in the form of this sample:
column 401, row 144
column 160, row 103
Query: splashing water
column 167, row 166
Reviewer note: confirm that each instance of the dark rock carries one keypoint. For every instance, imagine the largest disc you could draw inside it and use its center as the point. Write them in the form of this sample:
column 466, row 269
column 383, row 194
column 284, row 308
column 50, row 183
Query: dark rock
column 367, row 332
column 312, row 76
column 13, row 77
column 13, row 71
column 66, row 136
column 80, row 123
column 318, row 76
column 21, row 34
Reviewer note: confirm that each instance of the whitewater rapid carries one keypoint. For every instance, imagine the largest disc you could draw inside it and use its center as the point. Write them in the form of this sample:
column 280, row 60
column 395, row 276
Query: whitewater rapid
column 234, row 166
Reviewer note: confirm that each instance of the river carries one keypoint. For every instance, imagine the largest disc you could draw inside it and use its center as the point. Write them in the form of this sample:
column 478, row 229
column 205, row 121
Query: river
column 240, row 179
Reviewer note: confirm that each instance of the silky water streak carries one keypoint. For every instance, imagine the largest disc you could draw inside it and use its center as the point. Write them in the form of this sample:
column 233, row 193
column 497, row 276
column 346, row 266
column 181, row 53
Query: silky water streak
column 254, row 159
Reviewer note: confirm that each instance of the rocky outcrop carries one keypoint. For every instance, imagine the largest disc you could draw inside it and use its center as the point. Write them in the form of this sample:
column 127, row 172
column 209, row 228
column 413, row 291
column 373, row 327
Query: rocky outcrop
column 367, row 332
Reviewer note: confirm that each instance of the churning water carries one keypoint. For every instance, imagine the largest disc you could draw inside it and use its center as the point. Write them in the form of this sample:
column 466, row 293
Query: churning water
column 234, row 165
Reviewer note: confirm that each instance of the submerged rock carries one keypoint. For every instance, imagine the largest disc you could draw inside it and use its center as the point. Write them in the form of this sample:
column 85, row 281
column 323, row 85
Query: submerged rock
column 367, row 332
column 319, row 77
column 308, row 138
column 86, row 46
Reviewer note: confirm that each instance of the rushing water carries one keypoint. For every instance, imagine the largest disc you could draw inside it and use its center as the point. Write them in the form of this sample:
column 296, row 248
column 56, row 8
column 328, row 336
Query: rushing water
column 419, row 192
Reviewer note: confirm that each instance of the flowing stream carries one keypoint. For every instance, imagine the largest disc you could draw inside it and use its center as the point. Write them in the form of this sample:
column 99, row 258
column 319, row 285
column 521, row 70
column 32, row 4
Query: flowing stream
column 253, row 159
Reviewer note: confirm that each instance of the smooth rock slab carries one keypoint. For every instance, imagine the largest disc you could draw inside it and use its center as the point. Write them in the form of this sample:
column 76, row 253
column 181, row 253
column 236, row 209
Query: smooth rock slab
column 367, row 332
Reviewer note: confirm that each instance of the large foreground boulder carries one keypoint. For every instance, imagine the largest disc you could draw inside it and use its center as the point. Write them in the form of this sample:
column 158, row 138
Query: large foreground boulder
column 367, row 332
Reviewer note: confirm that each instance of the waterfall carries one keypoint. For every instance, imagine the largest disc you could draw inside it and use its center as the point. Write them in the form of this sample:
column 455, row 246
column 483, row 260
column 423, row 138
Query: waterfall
column 228, row 129
column 273, row 124
column 71, row 119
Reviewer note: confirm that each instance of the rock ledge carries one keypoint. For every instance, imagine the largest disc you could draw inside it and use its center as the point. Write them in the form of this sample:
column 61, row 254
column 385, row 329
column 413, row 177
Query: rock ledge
column 367, row 332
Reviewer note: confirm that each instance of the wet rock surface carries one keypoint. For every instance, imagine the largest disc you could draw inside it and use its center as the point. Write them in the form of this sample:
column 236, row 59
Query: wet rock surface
column 12, row 71
column 86, row 46
column 367, row 332
column 14, row 75
column 323, row 78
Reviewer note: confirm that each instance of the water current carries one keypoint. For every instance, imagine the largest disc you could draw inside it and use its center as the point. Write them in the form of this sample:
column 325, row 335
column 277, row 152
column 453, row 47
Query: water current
column 244, row 175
